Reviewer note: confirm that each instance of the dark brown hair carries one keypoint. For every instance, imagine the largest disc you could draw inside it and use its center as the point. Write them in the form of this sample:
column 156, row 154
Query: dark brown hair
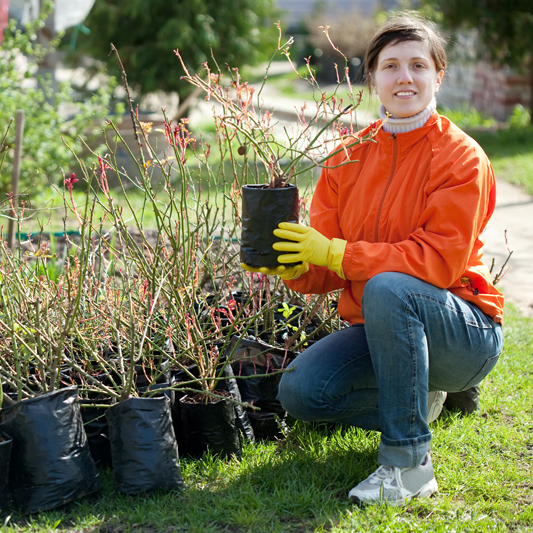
column 401, row 28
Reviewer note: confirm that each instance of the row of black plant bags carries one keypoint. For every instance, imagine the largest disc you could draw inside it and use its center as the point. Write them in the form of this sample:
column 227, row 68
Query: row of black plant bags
column 241, row 407
column 45, row 458
column 56, row 441
column 212, row 422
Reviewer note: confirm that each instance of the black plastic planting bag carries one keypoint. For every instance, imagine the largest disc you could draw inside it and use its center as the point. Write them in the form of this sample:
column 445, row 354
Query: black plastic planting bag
column 95, row 425
column 466, row 401
column 5, row 454
column 258, row 363
column 210, row 426
column 229, row 384
column 158, row 390
column 262, row 210
column 50, row 460
column 242, row 420
column 143, row 446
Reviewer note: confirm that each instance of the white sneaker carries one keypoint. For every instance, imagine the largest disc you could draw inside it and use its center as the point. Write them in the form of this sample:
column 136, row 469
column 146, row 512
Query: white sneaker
column 395, row 485
column 436, row 399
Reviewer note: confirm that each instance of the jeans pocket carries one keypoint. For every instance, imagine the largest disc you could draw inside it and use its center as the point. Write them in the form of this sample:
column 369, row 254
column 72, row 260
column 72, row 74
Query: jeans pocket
column 475, row 317
column 490, row 363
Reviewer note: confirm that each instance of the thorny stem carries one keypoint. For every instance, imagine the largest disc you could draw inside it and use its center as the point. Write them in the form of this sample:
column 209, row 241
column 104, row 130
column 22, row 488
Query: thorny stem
column 3, row 147
column 501, row 273
column 130, row 104
column 306, row 321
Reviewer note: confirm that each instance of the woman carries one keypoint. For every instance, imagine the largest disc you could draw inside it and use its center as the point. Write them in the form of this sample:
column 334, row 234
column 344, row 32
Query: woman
column 398, row 230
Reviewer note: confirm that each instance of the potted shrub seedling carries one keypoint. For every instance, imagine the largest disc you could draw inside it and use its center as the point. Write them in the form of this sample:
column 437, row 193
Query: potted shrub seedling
column 51, row 463
column 274, row 165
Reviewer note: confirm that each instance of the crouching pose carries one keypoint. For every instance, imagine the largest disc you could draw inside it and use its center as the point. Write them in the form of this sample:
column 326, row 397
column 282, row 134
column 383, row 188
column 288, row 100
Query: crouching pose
column 398, row 230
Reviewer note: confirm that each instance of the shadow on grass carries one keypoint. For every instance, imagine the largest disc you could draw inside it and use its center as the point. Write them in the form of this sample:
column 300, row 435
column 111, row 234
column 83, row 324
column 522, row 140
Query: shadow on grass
column 296, row 484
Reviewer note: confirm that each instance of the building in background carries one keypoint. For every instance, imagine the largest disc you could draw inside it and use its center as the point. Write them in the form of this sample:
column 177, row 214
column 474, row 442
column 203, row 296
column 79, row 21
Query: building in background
column 66, row 13
column 295, row 11
column 471, row 82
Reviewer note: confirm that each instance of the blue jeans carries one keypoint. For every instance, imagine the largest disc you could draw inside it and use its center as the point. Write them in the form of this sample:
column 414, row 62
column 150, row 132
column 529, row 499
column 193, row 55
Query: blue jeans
column 416, row 337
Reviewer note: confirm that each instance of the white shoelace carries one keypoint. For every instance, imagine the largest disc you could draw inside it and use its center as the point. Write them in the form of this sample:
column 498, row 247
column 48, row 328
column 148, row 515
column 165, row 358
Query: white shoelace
column 384, row 474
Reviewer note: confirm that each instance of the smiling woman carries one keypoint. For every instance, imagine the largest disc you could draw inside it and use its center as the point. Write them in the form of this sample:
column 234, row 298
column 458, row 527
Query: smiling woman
column 406, row 78
column 395, row 224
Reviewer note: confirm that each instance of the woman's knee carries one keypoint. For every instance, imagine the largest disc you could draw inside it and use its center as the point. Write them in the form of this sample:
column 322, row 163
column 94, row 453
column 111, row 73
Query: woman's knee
column 290, row 392
column 385, row 283
column 383, row 290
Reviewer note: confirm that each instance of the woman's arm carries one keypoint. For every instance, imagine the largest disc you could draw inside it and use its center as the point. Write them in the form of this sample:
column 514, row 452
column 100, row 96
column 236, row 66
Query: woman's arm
column 460, row 199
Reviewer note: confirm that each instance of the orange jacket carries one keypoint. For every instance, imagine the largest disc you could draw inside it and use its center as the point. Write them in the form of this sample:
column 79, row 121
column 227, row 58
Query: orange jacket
column 414, row 203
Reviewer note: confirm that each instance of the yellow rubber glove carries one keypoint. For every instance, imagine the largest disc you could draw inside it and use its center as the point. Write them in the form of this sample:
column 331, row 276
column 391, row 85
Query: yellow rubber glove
column 282, row 271
column 309, row 246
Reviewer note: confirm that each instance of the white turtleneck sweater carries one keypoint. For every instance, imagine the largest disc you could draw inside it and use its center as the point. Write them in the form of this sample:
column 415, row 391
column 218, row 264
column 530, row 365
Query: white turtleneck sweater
column 403, row 125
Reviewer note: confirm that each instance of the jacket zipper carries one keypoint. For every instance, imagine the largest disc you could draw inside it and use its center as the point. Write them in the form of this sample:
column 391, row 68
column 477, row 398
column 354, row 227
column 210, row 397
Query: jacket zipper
column 393, row 168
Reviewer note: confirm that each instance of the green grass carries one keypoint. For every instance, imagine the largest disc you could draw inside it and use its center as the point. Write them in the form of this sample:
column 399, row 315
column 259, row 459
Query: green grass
column 510, row 151
column 47, row 209
column 509, row 146
column 483, row 465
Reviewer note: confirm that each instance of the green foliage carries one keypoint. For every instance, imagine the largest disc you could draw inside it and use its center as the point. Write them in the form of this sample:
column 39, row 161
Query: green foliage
column 521, row 117
column 146, row 32
column 53, row 116
column 506, row 28
column 510, row 151
column 468, row 118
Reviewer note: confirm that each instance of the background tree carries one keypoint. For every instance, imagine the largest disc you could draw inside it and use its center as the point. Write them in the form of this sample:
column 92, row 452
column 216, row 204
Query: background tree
column 146, row 32
column 56, row 116
column 504, row 27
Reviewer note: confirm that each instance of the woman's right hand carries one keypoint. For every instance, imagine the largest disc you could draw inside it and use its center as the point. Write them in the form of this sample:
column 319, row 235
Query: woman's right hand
column 284, row 272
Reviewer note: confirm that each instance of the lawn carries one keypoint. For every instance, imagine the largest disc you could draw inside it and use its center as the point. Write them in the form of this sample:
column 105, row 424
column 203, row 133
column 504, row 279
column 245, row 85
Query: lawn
column 483, row 465
column 510, row 151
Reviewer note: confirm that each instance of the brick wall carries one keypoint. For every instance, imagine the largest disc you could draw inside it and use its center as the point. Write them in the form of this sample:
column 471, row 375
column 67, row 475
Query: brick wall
column 488, row 88
column 497, row 90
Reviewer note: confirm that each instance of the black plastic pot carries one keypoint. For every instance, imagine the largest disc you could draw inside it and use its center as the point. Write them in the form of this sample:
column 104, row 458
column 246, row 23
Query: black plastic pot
column 50, row 461
column 262, row 210
column 143, row 446
column 268, row 425
column 259, row 363
column 229, row 384
column 5, row 454
column 158, row 390
column 97, row 431
column 209, row 426
column 242, row 421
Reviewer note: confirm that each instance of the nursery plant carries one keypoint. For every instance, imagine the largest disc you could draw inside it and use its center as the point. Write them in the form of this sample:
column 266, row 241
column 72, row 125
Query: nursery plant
column 271, row 159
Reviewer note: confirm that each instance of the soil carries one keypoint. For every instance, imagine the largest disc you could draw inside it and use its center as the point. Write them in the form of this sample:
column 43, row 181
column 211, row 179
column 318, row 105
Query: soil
column 202, row 398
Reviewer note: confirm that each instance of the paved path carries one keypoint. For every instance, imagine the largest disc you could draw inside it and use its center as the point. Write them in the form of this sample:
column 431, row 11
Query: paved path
column 514, row 213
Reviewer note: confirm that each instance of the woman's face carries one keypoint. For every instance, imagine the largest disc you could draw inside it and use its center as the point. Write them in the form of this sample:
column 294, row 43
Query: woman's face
column 406, row 78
